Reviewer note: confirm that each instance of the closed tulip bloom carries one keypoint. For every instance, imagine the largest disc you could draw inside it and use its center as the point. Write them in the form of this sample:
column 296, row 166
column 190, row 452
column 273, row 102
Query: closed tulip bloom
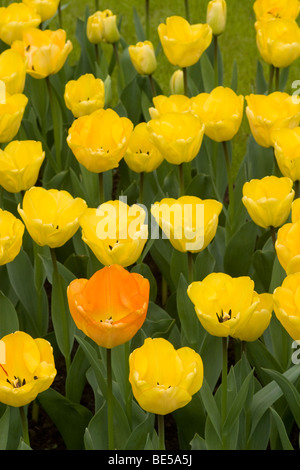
column 221, row 111
column 286, row 305
column 169, row 104
column 115, row 232
column 287, row 151
column 102, row 27
column 100, row 139
column 46, row 51
column 190, row 223
column 20, row 163
column 13, row 71
column 296, row 210
column 216, row 16
column 269, row 9
column 29, row 369
column 16, row 18
column 224, row 305
column 183, row 44
column 177, row 83
column 287, row 247
column 164, row 379
column 278, row 41
column 268, row 113
column 268, row 200
column 11, row 115
column 259, row 320
column 143, row 58
column 111, row 306
column 178, row 136
column 84, row 95
column 11, row 237
column 45, row 8
column 141, row 155
column 51, row 216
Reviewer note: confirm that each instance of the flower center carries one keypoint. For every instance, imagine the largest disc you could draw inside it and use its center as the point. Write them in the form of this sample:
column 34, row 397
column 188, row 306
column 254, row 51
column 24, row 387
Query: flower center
column 224, row 316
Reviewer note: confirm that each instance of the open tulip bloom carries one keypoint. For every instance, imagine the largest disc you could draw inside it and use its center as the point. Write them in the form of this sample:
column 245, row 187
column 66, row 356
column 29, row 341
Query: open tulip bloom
column 111, row 306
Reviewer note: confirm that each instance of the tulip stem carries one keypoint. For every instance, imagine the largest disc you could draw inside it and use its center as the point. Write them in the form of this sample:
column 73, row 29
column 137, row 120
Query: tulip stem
column 101, row 188
column 224, row 385
column 277, row 78
column 60, row 16
column 110, row 411
column 271, row 77
column 229, row 179
column 141, row 196
column 97, row 5
column 152, row 84
column 216, row 64
column 181, row 179
column 161, row 432
column 185, row 81
column 187, row 10
column 147, row 14
column 273, row 233
column 53, row 113
column 128, row 391
column 24, row 425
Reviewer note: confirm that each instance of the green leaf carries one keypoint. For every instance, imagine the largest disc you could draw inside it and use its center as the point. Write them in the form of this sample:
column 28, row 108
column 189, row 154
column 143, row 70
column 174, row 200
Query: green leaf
column 9, row 322
column 239, row 251
column 4, row 428
column 198, row 443
column 261, row 84
column 95, row 362
column 208, row 74
column 286, row 443
column 140, row 33
column 211, row 407
column 145, row 271
column 76, row 377
column 71, row 419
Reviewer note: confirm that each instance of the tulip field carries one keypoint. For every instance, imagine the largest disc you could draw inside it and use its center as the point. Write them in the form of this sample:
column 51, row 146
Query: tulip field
column 149, row 227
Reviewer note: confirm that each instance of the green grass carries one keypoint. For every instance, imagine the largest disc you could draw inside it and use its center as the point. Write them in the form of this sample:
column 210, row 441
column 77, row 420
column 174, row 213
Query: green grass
column 237, row 44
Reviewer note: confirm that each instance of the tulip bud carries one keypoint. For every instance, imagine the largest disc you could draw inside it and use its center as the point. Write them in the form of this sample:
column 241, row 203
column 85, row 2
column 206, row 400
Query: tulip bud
column 177, row 83
column 143, row 58
column 102, row 27
column 216, row 16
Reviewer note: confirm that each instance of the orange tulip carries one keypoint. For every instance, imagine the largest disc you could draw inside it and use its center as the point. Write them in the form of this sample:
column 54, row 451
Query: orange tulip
column 111, row 306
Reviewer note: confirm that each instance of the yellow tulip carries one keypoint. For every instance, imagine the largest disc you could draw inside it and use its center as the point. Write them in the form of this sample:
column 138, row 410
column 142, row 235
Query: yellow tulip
column 16, row 18
column 46, row 51
column 296, row 210
column 143, row 58
column 190, row 223
column 178, row 136
column 11, row 115
column 267, row 113
column 269, row 9
column 286, row 305
column 84, row 95
column 20, row 163
column 45, row 8
column 141, row 155
column 51, row 216
column 11, row 237
column 100, row 139
column 216, row 16
column 28, row 370
column 102, row 27
column 221, row 111
column 224, row 305
column 169, row 104
column 259, row 320
column 268, row 200
column 278, row 41
column 177, row 83
column 287, row 247
column 183, row 44
column 164, row 379
column 111, row 306
column 13, row 71
column 286, row 144
column 115, row 232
